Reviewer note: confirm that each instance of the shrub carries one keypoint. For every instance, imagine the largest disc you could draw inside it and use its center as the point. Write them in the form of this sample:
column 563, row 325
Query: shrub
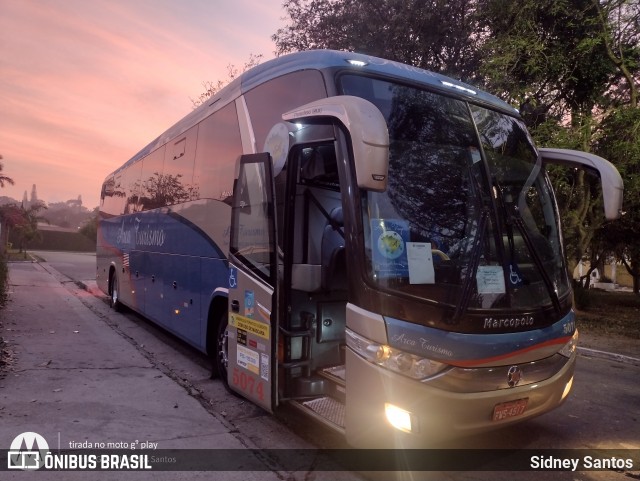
column 4, row 278
column 581, row 298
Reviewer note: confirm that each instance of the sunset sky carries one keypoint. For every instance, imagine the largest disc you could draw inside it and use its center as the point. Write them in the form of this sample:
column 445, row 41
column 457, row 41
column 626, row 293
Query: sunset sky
column 84, row 85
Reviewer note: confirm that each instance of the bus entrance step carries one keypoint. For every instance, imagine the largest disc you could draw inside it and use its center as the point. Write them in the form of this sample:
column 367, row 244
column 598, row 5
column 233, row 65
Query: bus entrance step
column 335, row 374
column 336, row 387
column 328, row 410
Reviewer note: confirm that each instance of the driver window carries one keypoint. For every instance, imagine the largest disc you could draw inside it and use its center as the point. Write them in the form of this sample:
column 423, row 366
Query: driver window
column 318, row 167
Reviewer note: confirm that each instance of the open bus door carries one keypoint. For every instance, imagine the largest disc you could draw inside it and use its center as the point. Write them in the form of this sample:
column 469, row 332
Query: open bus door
column 251, row 336
column 251, row 333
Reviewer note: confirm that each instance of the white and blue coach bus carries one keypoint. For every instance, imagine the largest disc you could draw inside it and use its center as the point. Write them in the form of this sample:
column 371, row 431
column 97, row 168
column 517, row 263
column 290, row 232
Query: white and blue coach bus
column 373, row 243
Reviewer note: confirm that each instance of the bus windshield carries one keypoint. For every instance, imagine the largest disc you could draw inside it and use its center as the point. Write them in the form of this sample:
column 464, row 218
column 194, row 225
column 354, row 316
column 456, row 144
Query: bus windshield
column 468, row 218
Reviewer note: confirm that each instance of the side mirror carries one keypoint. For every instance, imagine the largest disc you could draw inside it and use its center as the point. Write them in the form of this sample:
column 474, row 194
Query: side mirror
column 368, row 130
column 612, row 185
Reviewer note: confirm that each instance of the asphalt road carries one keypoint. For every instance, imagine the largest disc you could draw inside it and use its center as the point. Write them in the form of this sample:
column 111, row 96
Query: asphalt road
column 79, row 266
column 602, row 412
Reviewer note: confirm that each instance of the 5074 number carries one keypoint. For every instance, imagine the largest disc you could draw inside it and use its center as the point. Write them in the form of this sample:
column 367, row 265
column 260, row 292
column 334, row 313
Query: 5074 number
column 248, row 384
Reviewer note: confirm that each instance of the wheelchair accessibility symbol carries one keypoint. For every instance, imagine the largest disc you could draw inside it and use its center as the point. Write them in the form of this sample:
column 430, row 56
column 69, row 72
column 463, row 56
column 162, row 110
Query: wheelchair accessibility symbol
column 233, row 277
column 514, row 276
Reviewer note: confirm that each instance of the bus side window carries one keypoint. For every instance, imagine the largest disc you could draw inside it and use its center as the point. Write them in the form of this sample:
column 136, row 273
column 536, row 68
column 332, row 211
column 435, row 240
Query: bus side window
column 219, row 145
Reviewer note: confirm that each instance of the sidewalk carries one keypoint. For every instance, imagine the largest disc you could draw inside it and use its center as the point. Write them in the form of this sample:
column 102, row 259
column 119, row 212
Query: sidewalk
column 610, row 347
column 74, row 379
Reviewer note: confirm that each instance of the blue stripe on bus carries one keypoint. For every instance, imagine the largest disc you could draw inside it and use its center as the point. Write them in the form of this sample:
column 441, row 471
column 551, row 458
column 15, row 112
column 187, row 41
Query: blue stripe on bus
column 157, row 231
column 475, row 349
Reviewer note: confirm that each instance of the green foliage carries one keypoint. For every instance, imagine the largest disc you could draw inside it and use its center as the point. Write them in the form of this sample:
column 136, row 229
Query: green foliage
column 90, row 228
column 582, row 298
column 619, row 141
column 433, row 34
column 27, row 230
column 61, row 241
column 3, row 178
column 4, row 279
column 549, row 51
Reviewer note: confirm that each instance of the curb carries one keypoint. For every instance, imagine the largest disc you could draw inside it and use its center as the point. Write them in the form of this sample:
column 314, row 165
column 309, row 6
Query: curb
column 609, row 356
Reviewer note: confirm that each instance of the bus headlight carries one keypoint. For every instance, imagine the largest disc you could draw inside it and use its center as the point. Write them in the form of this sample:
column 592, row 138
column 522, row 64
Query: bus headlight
column 398, row 417
column 570, row 347
column 410, row 365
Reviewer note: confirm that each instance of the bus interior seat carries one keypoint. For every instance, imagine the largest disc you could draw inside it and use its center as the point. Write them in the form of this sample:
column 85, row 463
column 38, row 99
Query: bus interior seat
column 320, row 167
column 334, row 274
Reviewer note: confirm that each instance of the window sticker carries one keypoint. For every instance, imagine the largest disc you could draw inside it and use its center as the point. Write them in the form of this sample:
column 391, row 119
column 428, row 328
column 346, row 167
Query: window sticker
column 389, row 238
column 264, row 367
column 490, row 280
column 249, row 304
column 277, row 144
column 248, row 359
column 420, row 262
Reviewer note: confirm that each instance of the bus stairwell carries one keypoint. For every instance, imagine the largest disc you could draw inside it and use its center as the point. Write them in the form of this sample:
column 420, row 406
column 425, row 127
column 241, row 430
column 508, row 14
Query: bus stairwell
column 312, row 338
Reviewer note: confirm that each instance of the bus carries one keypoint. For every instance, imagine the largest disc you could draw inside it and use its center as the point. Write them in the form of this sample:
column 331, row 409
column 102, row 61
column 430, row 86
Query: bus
column 375, row 244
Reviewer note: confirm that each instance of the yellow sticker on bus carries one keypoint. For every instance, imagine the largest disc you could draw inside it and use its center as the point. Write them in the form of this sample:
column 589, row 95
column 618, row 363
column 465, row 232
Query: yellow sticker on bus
column 250, row 325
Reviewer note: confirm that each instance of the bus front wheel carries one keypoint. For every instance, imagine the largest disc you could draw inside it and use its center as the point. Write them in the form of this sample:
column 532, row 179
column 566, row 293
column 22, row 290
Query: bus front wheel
column 222, row 352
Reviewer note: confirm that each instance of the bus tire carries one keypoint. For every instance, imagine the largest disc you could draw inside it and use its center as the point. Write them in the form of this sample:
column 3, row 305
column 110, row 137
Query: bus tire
column 221, row 364
column 114, row 293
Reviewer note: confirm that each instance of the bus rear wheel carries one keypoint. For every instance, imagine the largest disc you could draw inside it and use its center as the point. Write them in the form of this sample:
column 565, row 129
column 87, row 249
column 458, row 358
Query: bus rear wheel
column 114, row 298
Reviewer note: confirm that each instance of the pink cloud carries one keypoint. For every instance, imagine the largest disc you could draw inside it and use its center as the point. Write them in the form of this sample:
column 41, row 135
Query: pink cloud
column 85, row 85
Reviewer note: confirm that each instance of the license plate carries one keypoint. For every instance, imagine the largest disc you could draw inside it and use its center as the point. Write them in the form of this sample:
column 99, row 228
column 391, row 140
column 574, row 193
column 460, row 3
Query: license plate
column 509, row 409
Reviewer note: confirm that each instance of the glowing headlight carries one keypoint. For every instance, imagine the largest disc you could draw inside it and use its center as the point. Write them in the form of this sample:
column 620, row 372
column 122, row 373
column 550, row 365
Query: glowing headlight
column 410, row 365
column 398, row 417
column 570, row 347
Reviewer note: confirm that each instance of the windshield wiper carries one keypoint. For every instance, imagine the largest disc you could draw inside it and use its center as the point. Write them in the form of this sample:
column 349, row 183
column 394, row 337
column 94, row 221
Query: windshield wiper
column 471, row 271
column 522, row 228
column 512, row 217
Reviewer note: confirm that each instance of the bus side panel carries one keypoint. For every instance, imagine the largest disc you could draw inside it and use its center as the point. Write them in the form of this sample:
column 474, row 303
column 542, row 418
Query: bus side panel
column 154, row 286
column 182, row 298
column 137, row 261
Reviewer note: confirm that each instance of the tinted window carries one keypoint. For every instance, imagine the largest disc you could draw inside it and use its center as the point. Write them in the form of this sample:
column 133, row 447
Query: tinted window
column 270, row 100
column 219, row 146
column 151, row 180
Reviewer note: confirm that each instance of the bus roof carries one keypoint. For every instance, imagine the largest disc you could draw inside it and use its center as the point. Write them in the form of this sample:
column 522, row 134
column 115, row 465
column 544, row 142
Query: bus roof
column 320, row 59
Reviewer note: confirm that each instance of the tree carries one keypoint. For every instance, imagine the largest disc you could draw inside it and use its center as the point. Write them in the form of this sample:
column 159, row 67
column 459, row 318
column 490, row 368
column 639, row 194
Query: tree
column 27, row 228
column 546, row 55
column 619, row 141
column 70, row 214
column 3, row 178
column 619, row 21
column 90, row 228
column 5, row 218
column 567, row 64
column 431, row 34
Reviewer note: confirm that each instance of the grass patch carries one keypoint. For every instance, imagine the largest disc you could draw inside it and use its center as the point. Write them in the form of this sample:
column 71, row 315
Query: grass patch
column 610, row 313
column 13, row 255
column 4, row 280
